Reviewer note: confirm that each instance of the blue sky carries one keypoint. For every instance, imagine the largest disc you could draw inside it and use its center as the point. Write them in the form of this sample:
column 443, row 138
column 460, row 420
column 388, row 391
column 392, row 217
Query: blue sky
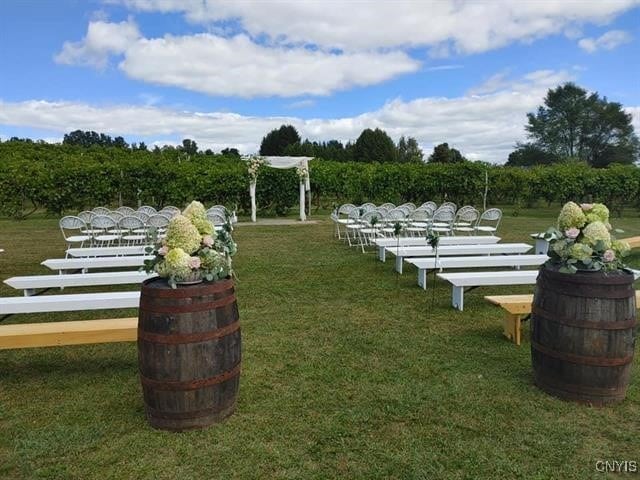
column 225, row 73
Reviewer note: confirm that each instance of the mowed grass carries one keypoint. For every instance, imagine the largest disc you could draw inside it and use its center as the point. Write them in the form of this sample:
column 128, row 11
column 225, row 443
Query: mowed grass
column 349, row 371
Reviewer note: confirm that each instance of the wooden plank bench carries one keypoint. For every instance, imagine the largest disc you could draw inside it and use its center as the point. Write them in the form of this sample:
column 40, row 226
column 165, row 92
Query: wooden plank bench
column 456, row 250
column 424, row 265
column 30, row 335
column 516, row 307
column 106, row 251
column 31, row 283
column 69, row 303
column 634, row 242
column 470, row 280
column 87, row 263
column 381, row 243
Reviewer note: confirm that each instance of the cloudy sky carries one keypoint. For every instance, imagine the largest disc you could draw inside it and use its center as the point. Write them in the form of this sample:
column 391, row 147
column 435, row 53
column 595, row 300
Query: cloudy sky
column 226, row 72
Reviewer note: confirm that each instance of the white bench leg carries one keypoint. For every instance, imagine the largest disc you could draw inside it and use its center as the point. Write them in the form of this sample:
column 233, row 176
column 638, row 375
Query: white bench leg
column 457, row 296
column 422, row 278
column 399, row 262
column 382, row 254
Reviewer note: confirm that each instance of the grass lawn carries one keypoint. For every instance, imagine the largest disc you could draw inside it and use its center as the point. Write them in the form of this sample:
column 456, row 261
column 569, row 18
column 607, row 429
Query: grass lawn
column 349, row 371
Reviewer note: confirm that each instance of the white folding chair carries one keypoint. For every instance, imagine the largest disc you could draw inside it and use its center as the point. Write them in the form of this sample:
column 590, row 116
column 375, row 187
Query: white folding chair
column 489, row 221
column 73, row 229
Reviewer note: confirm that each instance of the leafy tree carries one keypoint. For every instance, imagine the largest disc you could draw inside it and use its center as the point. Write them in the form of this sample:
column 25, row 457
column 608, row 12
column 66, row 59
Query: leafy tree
column 527, row 155
column 409, row 150
column 230, row 152
column 374, row 146
column 575, row 124
column 190, row 147
column 276, row 141
column 443, row 154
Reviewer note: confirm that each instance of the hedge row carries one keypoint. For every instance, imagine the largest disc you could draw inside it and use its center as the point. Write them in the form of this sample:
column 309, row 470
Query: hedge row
column 70, row 180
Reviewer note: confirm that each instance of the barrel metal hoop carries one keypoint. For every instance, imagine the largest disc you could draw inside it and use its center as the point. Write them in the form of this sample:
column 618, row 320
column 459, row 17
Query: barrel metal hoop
column 581, row 359
column 148, row 305
column 182, row 338
column 189, row 384
column 625, row 324
column 585, row 291
column 191, row 291
column 586, row 278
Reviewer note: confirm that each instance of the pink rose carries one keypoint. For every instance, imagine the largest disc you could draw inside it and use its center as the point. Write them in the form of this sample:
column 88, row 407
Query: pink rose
column 586, row 206
column 163, row 250
column 194, row 263
column 207, row 240
column 609, row 255
column 572, row 233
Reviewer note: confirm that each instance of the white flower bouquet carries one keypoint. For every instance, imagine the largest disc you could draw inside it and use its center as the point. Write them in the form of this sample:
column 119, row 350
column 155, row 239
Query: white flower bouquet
column 583, row 240
column 190, row 252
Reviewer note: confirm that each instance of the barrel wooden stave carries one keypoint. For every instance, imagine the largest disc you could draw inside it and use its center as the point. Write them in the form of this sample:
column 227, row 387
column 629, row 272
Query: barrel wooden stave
column 189, row 346
column 583, row 335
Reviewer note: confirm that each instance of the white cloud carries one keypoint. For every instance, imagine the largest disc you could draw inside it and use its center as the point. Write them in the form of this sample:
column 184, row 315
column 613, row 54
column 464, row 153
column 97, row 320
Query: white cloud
column 102, row 40
column 482, row 126
column 438, row 68
column 606, row 41
column 239, row 67
column 469, row 26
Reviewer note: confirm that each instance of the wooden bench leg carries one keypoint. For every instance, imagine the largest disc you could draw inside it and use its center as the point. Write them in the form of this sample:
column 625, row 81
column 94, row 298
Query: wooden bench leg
column 512, row 324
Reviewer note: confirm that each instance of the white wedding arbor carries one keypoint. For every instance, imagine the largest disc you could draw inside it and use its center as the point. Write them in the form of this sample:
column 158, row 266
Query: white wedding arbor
column 301, row 164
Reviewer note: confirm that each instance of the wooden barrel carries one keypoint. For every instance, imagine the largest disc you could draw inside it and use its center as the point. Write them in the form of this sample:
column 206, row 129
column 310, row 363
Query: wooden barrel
column 188, row 353
column 583, row 335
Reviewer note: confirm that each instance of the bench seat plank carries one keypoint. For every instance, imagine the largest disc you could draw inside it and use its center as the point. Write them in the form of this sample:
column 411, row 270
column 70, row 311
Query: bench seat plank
column 31, row 283
column 106, row 251
column 425, row 264
column 93, row 263
column 482, row 279
column 456, row 250
column 69, row 303
column 68, row 333
column 381, row 243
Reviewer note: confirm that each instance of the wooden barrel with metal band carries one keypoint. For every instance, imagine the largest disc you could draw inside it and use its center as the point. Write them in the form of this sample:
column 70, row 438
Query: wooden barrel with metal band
column 189, row 352
column 583, row 334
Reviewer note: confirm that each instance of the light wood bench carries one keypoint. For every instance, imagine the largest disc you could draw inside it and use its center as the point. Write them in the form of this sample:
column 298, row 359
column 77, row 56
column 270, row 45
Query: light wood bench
column 470, row 280
column 424, row 265
column 88, row 263
column 456, row 250
column 517, row 306
column 634, row 242
column 381, row 243
column 30, row 335
column 31, row 283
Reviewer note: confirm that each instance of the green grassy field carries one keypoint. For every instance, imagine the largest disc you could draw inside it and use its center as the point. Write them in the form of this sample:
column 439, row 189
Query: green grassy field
column 349, row 371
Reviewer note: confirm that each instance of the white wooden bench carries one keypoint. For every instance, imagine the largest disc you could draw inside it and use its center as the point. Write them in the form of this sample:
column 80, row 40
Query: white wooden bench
column 424, row 265
column 469, row 280
column 31, row 283
column 106, row 251
column 381, row 243
column 29, row 335
column 456, row 250
column 87, row 263
column 69, row 303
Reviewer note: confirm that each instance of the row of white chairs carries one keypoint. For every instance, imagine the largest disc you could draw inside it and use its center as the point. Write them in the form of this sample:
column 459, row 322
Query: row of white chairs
column 362, row 224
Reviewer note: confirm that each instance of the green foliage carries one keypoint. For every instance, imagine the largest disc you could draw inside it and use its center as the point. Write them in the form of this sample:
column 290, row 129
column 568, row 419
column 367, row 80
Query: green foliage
column 374, row 146
column 443, row 154
column 409, row 150
column 575, row 124
column 276, row 141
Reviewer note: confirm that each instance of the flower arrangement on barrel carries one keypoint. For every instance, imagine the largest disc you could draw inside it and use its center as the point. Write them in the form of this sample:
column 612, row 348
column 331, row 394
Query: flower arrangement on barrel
column 583, row 240
column 192, row 251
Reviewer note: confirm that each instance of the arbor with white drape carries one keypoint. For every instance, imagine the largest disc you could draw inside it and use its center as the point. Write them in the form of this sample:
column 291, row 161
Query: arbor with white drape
column 301, row 164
